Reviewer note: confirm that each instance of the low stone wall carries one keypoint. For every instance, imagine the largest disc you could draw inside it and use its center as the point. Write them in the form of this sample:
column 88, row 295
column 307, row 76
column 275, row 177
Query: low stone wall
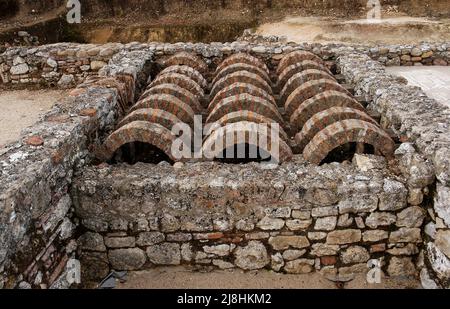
column 424, row 125
column 63, row 65
column 36, row 222
column 295, row 218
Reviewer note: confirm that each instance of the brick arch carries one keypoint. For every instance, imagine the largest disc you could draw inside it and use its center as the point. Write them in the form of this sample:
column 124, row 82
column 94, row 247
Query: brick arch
column 297, row 56
column 347, row 131
column 184, row 58
column 240, row 77
column 320, row 102
column 308, row 90
column 140, row 131
column 245, row 115
column 176, row 91
column 299, row 79
column 229, row 132
column 168, row 103
column 180, row 80
column 291, row 70
column 153, row 115
column 242, row 58
column 242, row 67
column 245, row 102
column 189, row 72
column 325, row 118
column 239, row 88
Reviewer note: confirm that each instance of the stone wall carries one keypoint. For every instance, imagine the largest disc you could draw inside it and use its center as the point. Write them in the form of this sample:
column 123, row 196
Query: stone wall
column 63, row 65
column 424, row 125
column 295, row 218
column 36, row 222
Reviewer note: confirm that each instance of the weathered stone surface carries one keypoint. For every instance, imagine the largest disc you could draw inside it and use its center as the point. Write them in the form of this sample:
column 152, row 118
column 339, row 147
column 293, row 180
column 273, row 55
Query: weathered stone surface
column 164, row 254
column 296, row 225
column 406, row 235
column 179, row 237
column 286, row 242
column 326, row 223
column 324, row 249
column 355, row 254
column 95, row 266
column 97, row 65
column 223, row 264
column 394, row 196
column 442, row 203
column 367, row 162
column 268, row 223
column 401, row 267
column 345, row 220
column 409, row 249
column 186, row 252
column 376, row 235
column 92, row 242
column 66, row 81
column 300, row 266
column 290, row 255
column 219, row 250
column 19, row 69
column 325, row 211
column 301, row 214
column 376, row 219
column 169, row 223
column 321, row 196
column 411, row 217
column 443, row 241
column 120, row 242
column 252, row 256
column 317, row 235
column 440, row 263
column 343, row 237
column 358, row 204
column 277, row 261
column 127, row 259
column 149, row 238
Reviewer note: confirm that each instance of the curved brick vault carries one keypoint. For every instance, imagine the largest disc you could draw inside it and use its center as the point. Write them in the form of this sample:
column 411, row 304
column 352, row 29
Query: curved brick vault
column 296, row 57
column 347, row 131
column 308, row 90
column 242, row 58
column 180, row 80
column 184, row 58
column 140, row 131
column 239, row 88
column 325, row 118
column 189, row 72
column 299, row 79
column 153, row 115
column 240, row 77
column 242, row 67
column 246, row 130
column 245, row 102
column 176, row 91
column 298, row 67
column 245, row 115
column 320, row 102
column 168, row 103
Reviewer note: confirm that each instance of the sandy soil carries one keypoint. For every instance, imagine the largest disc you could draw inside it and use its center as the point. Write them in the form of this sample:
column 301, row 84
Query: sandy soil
column 392, row 30
column 184, row 278
column 20, row 109
column 435, row 81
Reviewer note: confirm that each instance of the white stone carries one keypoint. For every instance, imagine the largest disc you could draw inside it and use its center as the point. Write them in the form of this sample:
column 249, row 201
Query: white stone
column 19, row 69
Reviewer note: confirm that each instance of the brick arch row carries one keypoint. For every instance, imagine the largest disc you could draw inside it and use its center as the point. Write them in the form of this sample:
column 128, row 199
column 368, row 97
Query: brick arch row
column 322, row 112
column 173, row 97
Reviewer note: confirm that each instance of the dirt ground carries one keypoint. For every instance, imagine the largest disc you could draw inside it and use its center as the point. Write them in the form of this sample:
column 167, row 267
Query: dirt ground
column 184, row 278
column 390, row 30
column 434, row 81
column 22, row 108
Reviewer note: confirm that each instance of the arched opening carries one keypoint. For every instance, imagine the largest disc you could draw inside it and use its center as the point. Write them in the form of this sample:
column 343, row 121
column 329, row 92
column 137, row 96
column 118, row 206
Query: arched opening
column 135, row 152
column 243, row 154
column 346, row 152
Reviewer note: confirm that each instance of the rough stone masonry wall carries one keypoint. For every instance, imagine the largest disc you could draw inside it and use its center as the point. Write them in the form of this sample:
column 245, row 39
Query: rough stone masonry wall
column 424, row 126
column 36, row 224
column 63, row 64
column 295, row 218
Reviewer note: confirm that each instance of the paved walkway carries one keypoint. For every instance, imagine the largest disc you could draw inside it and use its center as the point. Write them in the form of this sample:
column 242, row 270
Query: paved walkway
column 434, row 80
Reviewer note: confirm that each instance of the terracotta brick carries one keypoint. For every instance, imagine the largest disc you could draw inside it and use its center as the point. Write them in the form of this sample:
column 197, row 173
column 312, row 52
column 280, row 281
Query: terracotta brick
column 184, row 58
column 242, row 67
column 240, row 77
column 189, row 72
column 158, row 116
column 180, row 80
column 295, row 57
column 328, row 260
column 34, row 141
column 242, row 58
column 299, row 67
